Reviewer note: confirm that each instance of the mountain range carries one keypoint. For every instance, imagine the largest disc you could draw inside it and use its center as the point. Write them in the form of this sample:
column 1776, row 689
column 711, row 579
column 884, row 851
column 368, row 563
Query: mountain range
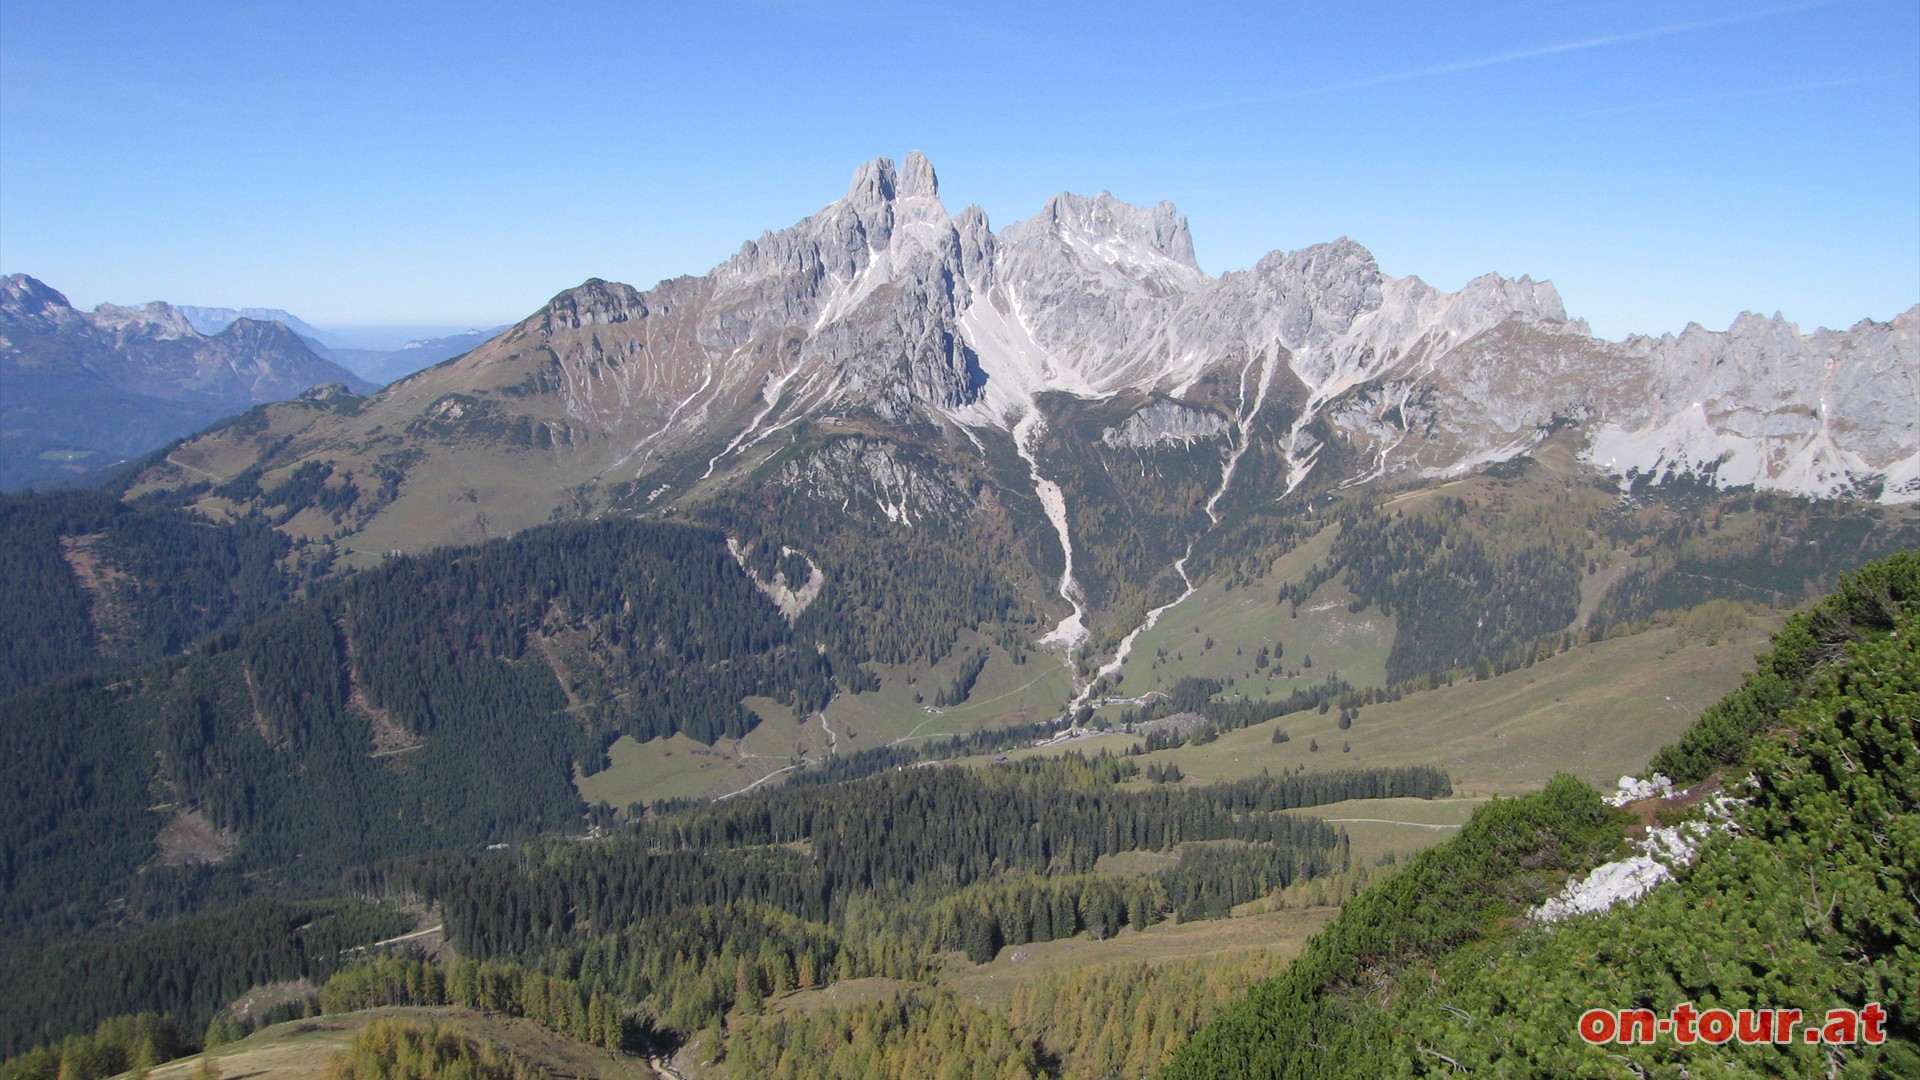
column 212, row 320
column 378, row 366
column 893, row 360
column 86, row 389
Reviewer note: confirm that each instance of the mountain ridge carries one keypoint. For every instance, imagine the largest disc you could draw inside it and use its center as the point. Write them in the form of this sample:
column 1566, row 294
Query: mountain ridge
column 119, row 381
column 959, row 351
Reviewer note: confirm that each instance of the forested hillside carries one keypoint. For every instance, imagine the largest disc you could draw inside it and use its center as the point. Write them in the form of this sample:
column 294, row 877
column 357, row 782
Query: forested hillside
column 524, row 659
column 661, row 932
column 186, row 971
column 790, row 883
column 1800, row 899
column 88, row 581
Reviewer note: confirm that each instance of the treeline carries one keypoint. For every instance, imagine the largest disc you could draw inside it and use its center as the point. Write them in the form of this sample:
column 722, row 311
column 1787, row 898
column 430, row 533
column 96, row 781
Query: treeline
column 1754, row 547
column 1124, row 1019
column 164, row 579
column 895, row 594
column 879, row 759
column 980, row 920
column 1868, row 602
column 1192, row 694
column 946, row 828
column 1134, row 509
column 557, row 1004
column 923, row 1032
column 122, row 1043
column 393, row 1049
column 1462, row 585
column 185, row 971
column 1207, row 882
column 675, row 634
column 1083, row 1024
column 955, row 826
column 703, row 911
column 692, row 966
column 960, row 688
column 1210, row 880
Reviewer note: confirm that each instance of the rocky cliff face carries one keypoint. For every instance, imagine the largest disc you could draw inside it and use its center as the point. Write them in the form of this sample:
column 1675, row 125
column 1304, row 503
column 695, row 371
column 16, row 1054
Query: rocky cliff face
column 884, row 302
column 1831, row 413
column 886, row 314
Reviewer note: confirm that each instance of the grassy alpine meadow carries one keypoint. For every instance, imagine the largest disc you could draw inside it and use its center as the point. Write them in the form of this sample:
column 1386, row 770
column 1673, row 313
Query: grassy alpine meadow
column 303, row 1048
column 1599, row 710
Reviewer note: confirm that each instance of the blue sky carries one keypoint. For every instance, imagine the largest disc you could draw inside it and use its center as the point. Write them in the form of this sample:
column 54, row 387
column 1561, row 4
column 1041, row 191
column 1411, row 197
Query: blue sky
column 459, row 164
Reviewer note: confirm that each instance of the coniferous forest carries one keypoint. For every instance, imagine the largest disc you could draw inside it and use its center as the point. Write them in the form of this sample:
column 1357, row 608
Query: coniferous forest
column 526, row 658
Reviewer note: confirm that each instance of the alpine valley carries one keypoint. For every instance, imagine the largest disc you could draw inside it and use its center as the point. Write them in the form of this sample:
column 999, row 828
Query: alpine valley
column 1229, row 593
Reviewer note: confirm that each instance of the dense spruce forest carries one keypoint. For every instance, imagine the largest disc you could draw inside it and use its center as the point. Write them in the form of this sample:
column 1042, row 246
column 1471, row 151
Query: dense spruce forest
column 1802, row 900
column 902, row 593
column 89, row 582
column 186, row 971
column 697, row 910
column 525, row 659
column 1483, row 581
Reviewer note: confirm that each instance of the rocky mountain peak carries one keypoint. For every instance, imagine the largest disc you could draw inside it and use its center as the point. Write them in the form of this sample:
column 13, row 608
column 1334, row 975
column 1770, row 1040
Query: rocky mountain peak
column 263, row 331
column 156, row 319
column 916, row 178
column 594, row 302
column 1492, row 297
column 22, row 296
column 1109, row 229
column 1333, row 260
column 883, row 307
column 878, row 181
column 872, row 184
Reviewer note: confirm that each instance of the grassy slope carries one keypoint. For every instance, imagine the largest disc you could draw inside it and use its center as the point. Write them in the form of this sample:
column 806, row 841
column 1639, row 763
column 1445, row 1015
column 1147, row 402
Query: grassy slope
column 300, row 1048
column 1597, row 711
column 1241, row 620
column 1005, row 694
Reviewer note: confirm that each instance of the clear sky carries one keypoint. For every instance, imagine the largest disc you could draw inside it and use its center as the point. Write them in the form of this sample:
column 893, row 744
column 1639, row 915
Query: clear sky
column 460, row 163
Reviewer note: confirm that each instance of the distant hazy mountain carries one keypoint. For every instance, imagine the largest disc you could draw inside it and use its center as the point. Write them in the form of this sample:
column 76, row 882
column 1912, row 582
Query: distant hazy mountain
column 382, row 366
column 378, row 366
column 81, row 390
column 212, row 320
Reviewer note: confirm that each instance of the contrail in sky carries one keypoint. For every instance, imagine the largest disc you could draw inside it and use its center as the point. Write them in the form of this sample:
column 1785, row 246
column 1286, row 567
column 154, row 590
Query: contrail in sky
column 1709, row 99
column 1535, row 53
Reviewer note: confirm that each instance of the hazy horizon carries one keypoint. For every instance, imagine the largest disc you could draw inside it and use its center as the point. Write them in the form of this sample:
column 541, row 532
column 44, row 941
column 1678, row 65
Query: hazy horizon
column 456, row 167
